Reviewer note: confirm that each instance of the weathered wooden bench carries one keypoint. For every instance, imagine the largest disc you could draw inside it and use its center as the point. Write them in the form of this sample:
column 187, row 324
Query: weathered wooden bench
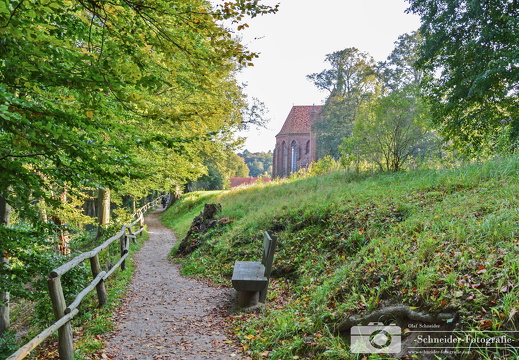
column 251, row 278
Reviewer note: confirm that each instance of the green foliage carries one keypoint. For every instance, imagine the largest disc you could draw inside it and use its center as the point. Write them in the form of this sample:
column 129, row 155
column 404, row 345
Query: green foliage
column 473, row 45
column 220, row 168
column 321, row 167
column 237, row 166
column 92, row 321
column 29, row 251
column 32, row 254
column 400, row 70
column 350, row 81
column 375, row 115
column 8, row 344
column 441, row 241
column 120, row 95
column 73, row 283
column 85, row 102
column 259, row 164
column 213, row 180
column 391, row 131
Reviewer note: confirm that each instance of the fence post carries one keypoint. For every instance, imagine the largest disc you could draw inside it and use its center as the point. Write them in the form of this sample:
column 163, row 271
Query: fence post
column 124, row 250
column 4, row 311
column 66, row 345
column 5, row 217
column 141, row 223
column 95, row 266
column 133, row 237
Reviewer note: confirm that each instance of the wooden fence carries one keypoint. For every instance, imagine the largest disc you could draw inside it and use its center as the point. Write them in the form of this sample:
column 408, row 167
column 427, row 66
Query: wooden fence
column 63, row 312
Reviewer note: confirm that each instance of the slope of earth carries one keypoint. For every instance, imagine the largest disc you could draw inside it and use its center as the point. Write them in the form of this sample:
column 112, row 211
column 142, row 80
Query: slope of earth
column 425, row 247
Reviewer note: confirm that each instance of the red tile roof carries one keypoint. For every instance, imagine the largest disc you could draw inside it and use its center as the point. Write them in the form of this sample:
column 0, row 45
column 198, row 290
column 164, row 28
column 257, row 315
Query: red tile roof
column 299, row 120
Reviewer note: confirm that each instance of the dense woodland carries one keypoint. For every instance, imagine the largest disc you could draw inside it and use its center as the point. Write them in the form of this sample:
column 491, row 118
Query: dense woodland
column 109, row 101
column 259, row 164
column 104, row 103
column 219, row 171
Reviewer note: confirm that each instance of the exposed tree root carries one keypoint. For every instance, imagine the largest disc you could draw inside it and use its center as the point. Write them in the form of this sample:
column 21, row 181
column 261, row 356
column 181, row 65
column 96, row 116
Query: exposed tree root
column 397, row 313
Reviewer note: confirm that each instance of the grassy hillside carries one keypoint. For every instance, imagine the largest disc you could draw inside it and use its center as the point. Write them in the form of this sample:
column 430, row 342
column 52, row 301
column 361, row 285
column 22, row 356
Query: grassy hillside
column 443, row 244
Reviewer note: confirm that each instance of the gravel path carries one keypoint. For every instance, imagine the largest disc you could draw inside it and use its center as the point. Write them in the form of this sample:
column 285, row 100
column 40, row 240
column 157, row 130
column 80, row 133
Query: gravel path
column 167, row 316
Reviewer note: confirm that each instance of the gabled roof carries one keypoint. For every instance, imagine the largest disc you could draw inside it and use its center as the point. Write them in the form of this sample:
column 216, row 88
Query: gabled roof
column 299, row 120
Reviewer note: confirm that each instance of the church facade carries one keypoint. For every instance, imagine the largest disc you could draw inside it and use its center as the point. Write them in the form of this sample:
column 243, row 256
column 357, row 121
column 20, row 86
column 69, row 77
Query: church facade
column 295, row 143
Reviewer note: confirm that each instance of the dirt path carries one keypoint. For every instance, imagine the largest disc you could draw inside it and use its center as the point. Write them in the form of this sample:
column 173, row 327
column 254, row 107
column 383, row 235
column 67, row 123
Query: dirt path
column 166, row 315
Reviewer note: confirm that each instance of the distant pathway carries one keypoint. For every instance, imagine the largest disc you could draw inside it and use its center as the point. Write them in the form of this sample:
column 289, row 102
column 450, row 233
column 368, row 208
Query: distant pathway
column 166, row 315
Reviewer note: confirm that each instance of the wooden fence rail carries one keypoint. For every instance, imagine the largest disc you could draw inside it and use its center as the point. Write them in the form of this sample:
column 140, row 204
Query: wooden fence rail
column 64, row 313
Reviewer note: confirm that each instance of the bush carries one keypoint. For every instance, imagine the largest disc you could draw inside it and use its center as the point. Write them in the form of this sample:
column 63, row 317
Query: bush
column 323, row 166
column 8, row 344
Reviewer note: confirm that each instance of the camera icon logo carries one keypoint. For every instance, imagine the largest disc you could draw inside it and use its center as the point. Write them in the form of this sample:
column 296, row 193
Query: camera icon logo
column 376, row 338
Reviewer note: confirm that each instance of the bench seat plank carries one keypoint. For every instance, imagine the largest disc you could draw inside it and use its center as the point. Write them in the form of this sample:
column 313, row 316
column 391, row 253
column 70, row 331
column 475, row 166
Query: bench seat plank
column 249, row 276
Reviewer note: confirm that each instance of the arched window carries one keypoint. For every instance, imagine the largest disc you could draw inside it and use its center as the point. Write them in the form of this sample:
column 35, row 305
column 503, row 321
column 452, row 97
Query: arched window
column 307, row 151
column 294, row 157
column 284, row 158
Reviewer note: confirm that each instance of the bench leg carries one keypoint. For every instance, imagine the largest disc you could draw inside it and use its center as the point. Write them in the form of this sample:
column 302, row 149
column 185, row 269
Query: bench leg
column 248, row 298
column 263, row 295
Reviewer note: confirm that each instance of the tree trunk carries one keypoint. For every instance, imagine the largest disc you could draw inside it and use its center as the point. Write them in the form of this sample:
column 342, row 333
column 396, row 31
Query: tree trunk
column 89, row 207
column 5, row 211
column 103, row 209
column 64, row 237
column 5, row 320
column 5, row 215
column 174, row 195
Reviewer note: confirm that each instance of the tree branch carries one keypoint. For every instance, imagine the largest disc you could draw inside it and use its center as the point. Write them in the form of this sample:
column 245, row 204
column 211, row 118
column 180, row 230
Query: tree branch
column 12, row 14
column 21, row 156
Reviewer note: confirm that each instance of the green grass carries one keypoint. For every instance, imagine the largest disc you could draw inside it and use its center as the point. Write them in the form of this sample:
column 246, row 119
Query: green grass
column 180, row 216
column 435, row 240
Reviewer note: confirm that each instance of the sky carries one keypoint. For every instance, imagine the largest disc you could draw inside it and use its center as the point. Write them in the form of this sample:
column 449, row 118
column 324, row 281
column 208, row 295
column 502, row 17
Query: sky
column 293, row 43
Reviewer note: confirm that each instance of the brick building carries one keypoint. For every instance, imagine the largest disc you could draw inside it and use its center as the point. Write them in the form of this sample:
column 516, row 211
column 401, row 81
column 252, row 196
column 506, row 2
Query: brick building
column 295, row 143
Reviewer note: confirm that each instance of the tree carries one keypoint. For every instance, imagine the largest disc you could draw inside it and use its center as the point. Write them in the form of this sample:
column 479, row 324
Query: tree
column 257, row 168
column 400, row 70
column 214, row 179
column 473, row 45
column 109, row 95
column 86, row 87
column 220, row 169
column 5, row 321
column 259, row 164
column 395, row 126
column 236, row 166
column 83, row 93
column 350, row 81
column 390, row 130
